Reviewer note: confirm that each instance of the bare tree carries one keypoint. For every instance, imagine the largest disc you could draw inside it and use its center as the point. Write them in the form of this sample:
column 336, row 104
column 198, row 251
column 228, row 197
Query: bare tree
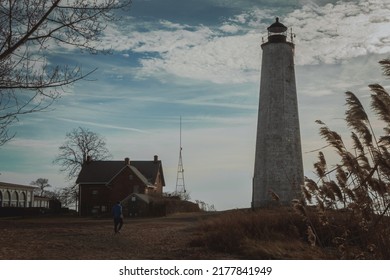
column 29, row 29
column 42, row 184
column 67, row 196
column 80, row 145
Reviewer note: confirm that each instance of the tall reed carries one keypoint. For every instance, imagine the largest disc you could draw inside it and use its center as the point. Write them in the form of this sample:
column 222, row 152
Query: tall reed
column 353, row 197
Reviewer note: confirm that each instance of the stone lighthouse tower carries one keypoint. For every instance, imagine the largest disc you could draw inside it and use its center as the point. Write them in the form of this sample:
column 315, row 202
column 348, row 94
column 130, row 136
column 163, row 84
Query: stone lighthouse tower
column 278, row 173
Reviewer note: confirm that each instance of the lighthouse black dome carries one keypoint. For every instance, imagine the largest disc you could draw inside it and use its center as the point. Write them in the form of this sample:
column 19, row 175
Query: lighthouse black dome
column 277, row 27
column 277, row 32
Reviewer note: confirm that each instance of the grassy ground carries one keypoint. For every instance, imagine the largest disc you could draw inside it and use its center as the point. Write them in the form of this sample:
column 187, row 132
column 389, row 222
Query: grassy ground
column 58, row 238
column 236, row 234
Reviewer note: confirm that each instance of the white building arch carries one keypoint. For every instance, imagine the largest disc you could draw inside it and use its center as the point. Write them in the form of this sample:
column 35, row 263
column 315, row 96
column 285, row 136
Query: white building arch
column 14, row 195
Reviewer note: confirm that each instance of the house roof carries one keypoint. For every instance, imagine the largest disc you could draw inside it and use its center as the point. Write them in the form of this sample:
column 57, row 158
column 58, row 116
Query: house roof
column 103, row 172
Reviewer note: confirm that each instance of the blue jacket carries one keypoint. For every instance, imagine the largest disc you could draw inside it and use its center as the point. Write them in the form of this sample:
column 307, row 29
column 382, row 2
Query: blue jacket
column 117, row 211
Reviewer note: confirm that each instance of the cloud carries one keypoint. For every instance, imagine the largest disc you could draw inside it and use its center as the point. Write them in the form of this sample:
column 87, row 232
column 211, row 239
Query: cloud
column 102, row 125
column 221, row 60
column 229, row 28
column 31, row 143
column 335, row 32
column 193, row 52
column 230, row 52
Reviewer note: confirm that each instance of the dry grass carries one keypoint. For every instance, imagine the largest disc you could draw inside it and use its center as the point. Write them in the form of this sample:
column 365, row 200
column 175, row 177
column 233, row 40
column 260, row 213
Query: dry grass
column 283, row 233
column 348, row 235
column 263, row 234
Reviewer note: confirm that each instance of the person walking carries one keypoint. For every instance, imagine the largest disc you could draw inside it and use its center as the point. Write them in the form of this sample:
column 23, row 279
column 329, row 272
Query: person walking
column 118, row 217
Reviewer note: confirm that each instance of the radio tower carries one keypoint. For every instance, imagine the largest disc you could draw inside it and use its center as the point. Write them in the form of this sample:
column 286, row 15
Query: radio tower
column 180, row 185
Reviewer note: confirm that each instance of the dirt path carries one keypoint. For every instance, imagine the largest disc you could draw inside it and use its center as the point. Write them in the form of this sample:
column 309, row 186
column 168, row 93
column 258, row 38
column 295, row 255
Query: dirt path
column 60, row 238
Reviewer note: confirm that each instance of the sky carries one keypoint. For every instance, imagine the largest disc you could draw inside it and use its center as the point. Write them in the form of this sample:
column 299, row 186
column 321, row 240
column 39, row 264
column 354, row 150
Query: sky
column 200, row 60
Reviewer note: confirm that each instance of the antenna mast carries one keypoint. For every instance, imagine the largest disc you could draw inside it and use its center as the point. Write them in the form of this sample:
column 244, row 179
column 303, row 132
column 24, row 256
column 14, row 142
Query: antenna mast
column 180, row 185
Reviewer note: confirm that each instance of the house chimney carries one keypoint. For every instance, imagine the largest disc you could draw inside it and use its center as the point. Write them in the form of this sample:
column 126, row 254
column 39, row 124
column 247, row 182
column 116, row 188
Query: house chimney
column 88, row 159
column 127, row 161
column 155, row 158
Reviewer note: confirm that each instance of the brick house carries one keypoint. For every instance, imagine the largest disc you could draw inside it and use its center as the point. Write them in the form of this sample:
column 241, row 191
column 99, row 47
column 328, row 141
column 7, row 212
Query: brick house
column 103, row 183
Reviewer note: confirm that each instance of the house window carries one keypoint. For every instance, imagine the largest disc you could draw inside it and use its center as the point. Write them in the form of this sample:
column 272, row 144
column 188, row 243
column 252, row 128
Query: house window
column 95, row 209
column 95, row 193
column 104, row 208
column 136, row 189
column 131, row 177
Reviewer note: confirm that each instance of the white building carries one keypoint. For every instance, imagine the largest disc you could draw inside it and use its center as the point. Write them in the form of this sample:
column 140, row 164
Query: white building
column 14, row 195
column 40, row 201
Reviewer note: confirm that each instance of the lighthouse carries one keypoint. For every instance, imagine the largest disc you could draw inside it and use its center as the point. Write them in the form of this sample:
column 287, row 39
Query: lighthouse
column 278, row 171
